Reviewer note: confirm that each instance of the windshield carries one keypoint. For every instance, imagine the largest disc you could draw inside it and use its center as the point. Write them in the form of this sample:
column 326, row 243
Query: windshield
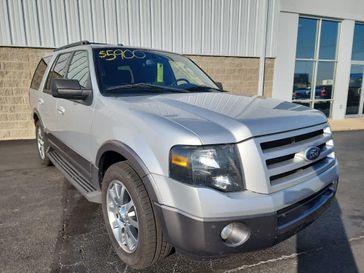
column 125, row 70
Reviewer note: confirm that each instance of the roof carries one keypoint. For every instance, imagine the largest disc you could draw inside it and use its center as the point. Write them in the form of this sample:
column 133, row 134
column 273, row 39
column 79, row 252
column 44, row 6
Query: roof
column 98, row 45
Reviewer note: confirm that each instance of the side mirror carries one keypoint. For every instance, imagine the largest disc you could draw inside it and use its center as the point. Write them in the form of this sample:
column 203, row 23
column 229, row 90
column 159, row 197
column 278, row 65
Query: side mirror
column 68, row 89
column 219, row 84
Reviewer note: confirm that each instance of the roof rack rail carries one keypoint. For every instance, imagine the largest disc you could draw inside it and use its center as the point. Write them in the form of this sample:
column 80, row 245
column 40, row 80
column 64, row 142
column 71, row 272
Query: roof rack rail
column 84, row 42
column 72, row 45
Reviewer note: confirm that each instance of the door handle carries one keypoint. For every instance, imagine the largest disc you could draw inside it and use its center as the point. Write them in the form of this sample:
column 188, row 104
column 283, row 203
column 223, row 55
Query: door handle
column 40, row 101
column 61, row 110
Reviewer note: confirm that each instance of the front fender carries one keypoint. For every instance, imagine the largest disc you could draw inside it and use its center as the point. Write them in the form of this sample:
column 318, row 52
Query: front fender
column 133, row 160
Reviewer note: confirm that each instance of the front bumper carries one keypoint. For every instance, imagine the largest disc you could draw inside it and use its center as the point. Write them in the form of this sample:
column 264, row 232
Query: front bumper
column 196, row 237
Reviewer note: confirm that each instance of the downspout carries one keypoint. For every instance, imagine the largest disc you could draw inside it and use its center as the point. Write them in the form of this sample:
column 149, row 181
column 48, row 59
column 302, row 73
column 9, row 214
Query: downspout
column 263, row 47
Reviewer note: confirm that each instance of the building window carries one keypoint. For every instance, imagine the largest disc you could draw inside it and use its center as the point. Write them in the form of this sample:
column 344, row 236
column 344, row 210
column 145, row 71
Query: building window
column 358, row 43
column 355, row 102
column 316, row 57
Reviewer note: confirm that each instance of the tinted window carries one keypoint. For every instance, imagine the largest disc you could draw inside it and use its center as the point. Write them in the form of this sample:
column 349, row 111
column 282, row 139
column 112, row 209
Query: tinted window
column 328, row 40
column 79, row 69
column 323, row 106
column 306, row 38
column 355, row 89
column 58, row 69
column 302, row 80
column 39, row 73
column 324, row 80
column 358, row 43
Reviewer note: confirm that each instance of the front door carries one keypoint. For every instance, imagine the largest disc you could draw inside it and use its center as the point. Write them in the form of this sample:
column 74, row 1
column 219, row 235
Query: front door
column 75, row 117
column 355, row 102
column 46, row 102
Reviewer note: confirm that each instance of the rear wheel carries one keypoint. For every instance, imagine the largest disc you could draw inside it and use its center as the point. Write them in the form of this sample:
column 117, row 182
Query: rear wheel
column 42, row 144
column 129, row 218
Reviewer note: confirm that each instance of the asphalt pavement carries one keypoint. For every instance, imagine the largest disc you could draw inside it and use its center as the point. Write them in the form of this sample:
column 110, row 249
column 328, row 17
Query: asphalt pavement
column 47, row 226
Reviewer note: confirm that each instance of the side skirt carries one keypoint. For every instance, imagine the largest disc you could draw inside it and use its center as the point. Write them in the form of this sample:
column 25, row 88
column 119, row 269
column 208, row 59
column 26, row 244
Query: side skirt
column 73, row 175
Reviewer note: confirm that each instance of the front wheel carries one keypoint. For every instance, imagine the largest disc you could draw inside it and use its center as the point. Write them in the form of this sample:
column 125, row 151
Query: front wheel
column 129, row 218
column 42, row 144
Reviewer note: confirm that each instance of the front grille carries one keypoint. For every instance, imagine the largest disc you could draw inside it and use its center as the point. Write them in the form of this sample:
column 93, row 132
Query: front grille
column 289, row 140
column 283, row 154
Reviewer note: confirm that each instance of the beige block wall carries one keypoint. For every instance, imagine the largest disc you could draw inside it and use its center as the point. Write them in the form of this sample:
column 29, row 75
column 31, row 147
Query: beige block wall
column 16, row 70
column 268, row 77
column 238, row 75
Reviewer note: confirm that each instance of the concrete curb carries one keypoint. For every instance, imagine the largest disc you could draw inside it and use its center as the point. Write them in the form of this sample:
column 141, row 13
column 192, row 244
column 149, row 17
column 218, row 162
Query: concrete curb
column 348, row 124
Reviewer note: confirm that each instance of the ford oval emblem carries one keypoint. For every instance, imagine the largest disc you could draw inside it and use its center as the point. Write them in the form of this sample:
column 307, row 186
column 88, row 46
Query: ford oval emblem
column 312, row 153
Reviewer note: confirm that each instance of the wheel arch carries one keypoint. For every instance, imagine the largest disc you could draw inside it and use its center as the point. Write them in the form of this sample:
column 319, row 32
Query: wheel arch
column 122, row 152
column 36, row 116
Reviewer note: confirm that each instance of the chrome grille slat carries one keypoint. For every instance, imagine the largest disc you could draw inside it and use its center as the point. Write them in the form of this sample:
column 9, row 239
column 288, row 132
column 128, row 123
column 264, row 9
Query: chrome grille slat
column 293, row 133
column 307, row 173
column 289, row 140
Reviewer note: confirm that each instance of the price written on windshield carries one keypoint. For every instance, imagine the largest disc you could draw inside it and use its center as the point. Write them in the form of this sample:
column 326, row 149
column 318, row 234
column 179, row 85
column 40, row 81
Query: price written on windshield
column 123, row 54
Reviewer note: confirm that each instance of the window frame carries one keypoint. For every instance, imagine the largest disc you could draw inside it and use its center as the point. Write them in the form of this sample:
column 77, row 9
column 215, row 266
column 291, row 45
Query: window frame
column 356, row 62
column 316, row 60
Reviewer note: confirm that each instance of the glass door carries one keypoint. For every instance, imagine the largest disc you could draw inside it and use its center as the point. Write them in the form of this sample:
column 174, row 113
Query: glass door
column 355, row 102
column 354, row 105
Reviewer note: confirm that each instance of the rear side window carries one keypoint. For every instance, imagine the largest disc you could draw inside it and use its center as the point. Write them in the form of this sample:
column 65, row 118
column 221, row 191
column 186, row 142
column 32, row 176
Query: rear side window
column 79, row 69
column 39, row 72
column 58, row 70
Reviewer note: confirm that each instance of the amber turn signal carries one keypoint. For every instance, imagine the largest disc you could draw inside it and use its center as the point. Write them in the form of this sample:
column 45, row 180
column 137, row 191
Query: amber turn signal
column 179, row 160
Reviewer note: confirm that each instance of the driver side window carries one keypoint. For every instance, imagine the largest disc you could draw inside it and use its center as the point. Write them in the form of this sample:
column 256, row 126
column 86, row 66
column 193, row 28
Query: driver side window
column 79, row 69
column 181, row 71
column 58, row 70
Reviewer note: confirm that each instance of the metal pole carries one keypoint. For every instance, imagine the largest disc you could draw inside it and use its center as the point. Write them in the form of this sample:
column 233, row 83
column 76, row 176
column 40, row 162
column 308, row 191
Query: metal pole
column 262, row 55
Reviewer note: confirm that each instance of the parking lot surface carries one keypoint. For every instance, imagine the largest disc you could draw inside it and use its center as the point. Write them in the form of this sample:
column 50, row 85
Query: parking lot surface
column 47, row 226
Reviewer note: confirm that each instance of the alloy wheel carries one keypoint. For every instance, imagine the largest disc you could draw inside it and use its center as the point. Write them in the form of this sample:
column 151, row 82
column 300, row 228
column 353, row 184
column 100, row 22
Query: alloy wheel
column 122, row 216
column 40, row 143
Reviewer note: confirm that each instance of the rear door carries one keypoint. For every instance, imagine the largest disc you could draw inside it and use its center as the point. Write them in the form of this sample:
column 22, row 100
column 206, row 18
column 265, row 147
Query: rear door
column 75, row 116
column 46, row 102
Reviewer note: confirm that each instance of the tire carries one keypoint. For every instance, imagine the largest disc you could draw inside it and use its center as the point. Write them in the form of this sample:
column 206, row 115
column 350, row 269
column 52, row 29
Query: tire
column 120, row 218
column 42, row 144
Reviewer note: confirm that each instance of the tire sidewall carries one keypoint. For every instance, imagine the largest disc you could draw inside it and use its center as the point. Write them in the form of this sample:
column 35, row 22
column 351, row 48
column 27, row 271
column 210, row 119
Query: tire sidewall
column 135, row 258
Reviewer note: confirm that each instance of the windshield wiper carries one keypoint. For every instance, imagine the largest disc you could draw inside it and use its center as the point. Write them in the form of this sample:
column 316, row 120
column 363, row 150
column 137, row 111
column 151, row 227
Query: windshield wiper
column 202, row 87
column 144, row 86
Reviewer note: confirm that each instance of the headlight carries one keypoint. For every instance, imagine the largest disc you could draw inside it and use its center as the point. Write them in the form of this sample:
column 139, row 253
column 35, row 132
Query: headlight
column 216, row 166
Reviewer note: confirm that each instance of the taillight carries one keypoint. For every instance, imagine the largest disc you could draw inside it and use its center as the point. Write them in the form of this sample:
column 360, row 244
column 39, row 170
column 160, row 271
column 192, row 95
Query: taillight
column 323, row 92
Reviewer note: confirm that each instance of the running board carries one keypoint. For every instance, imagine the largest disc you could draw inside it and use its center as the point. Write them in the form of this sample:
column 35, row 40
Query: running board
column 74, row 177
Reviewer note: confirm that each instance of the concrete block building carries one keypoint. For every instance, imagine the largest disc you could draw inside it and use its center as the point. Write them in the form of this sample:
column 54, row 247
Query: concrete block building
column 310, row 52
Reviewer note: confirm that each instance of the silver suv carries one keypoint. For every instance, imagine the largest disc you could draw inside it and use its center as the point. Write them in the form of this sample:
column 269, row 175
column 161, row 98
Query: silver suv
column 176, row 162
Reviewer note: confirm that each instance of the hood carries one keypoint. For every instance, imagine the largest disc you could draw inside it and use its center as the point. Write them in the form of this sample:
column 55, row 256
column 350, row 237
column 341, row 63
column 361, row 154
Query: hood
column 225, row 118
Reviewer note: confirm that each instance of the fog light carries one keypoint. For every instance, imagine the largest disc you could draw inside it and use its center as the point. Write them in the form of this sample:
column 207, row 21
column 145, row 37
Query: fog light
column 235, row 234
column 334, row 184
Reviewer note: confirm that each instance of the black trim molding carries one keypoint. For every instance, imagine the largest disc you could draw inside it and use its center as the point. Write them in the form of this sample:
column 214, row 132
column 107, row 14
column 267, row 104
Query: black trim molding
column 133, row 160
